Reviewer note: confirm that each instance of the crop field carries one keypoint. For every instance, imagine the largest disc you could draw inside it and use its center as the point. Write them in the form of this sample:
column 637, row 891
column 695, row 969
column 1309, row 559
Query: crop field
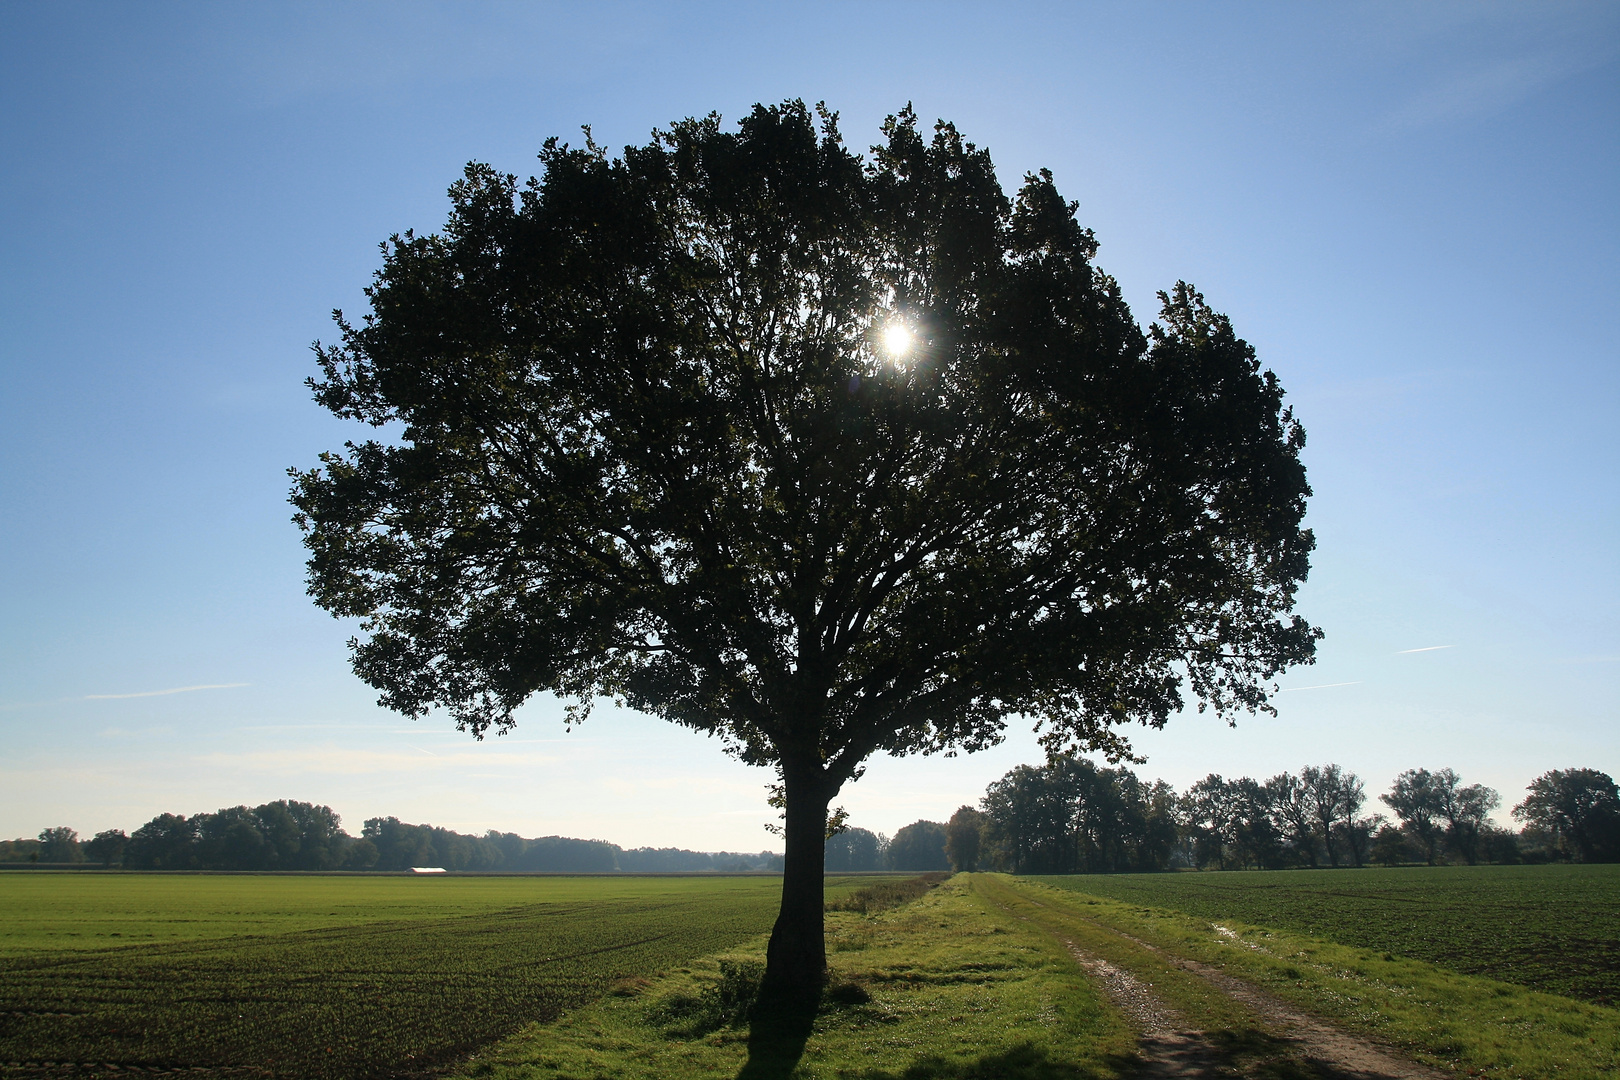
column 524, row 978
column 329, row 976
column 1551, row 928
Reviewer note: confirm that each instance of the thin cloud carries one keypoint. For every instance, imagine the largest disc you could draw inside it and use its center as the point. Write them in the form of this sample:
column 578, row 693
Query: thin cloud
column 1319, row 686
column 164, row 693
column 1491, row 88
column 1426, row 648
column 347, row 761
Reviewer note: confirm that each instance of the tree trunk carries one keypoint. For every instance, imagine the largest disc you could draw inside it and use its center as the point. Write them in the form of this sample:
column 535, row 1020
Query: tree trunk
column 796, row 959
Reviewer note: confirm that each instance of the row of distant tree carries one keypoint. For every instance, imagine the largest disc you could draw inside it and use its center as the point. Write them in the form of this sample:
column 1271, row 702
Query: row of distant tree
column 1069, row 816
column 287, row 835
column 1073, row 816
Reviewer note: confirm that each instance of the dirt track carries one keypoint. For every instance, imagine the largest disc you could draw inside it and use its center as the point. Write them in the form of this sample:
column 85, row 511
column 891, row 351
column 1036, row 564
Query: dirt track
column 1170, row 1047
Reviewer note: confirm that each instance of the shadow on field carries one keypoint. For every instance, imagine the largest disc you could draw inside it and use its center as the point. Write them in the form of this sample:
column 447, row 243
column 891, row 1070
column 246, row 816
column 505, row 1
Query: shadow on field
column 776, row 1039
column 774, row 1049
column 1024, row 1062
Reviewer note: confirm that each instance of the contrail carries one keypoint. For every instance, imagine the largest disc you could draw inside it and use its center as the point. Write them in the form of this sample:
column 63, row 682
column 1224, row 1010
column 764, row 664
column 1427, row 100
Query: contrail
column 1426, row 648
column 171, row 690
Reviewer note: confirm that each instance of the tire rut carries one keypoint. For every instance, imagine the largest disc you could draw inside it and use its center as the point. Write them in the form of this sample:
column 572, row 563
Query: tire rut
column 1168, row 1046
column 1171, row 1048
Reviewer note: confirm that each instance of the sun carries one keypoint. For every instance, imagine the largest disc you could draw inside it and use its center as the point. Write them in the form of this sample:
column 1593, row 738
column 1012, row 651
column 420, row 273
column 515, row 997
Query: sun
column 897, row 340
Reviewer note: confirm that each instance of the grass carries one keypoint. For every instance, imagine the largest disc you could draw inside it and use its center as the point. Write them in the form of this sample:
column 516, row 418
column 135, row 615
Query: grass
column 1551, row 928
column 884, row 894
column 945, row 986
column 1473, row 1024
column 555, row 977
column 328, row 976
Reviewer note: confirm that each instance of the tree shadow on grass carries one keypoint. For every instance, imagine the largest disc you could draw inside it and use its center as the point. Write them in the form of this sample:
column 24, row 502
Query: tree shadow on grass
column 776, row 1042
column 1023, row 1062
column 776, row 1038
column 774, row 1052
column 1264, row 1056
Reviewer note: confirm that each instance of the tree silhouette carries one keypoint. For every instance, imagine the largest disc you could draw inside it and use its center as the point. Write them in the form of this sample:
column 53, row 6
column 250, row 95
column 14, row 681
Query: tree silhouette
column 1415, row 797
column 823, row 455
column 1580, row 809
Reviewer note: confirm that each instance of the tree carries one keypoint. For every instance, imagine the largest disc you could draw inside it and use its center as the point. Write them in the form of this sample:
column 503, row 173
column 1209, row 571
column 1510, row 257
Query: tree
column 1209, row 814
column 1029, row 816
column 1333, row 797
column 107, row 847
column 854, row 850
column 962, row 834
column 1356, row 836
column 1415, row 799
column 919, row 846
column 167, row 842
column 59, row 845
column 233, row 839
column 1261, row 827
column 1293, row 814
column 1162, row 828
column 360, row 855
column 1389, row 846
column 1580, row 809
column 824, row 456
column 1467, row 810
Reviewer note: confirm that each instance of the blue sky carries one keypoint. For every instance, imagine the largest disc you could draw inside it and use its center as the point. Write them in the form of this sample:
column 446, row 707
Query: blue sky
column 1409, row 209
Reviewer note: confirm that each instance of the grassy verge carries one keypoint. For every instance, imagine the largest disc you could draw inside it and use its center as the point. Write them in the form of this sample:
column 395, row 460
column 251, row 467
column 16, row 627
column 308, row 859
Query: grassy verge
column 944, row 986
column 1471, row 1024
column 882, row 895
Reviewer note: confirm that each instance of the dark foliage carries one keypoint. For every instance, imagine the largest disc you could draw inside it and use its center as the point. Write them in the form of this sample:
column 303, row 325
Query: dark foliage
column 107, row 847
column 963, row 836
column 852, row 850
column 645, row 440
column 918, row 846
column 300, row 836
column 1071, row 816
column 1578, row 811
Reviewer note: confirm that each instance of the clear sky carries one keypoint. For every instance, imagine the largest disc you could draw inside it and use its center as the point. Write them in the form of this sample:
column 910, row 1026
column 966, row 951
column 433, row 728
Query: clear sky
column 1410, row 210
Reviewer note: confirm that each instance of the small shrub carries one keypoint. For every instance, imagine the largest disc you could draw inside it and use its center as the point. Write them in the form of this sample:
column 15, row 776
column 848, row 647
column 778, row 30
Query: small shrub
column 726, row 1003
column 887, row 894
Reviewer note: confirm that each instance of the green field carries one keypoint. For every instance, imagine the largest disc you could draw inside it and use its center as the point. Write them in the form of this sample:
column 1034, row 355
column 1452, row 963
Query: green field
column 593, row 977
column 1551, row 928
column 331, row 976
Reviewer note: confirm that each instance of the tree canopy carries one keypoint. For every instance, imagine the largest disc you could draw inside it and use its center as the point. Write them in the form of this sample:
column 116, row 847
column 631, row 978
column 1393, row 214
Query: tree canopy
column 822, row 454
column 1579, row 809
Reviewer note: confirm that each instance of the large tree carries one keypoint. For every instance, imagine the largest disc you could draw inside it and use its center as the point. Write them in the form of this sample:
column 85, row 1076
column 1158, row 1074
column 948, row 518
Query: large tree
column 1334, row 797
column 1416, row 799
column 823, row 455
column 1579, row 809
column 1467, row 810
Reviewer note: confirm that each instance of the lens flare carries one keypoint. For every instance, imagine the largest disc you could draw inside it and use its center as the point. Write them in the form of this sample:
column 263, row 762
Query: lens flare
column 897, row 340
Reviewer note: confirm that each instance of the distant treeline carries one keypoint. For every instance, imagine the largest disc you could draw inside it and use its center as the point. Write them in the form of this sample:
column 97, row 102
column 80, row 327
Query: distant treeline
column 288, row 835
column 1065, row 817
column 1073, row 816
